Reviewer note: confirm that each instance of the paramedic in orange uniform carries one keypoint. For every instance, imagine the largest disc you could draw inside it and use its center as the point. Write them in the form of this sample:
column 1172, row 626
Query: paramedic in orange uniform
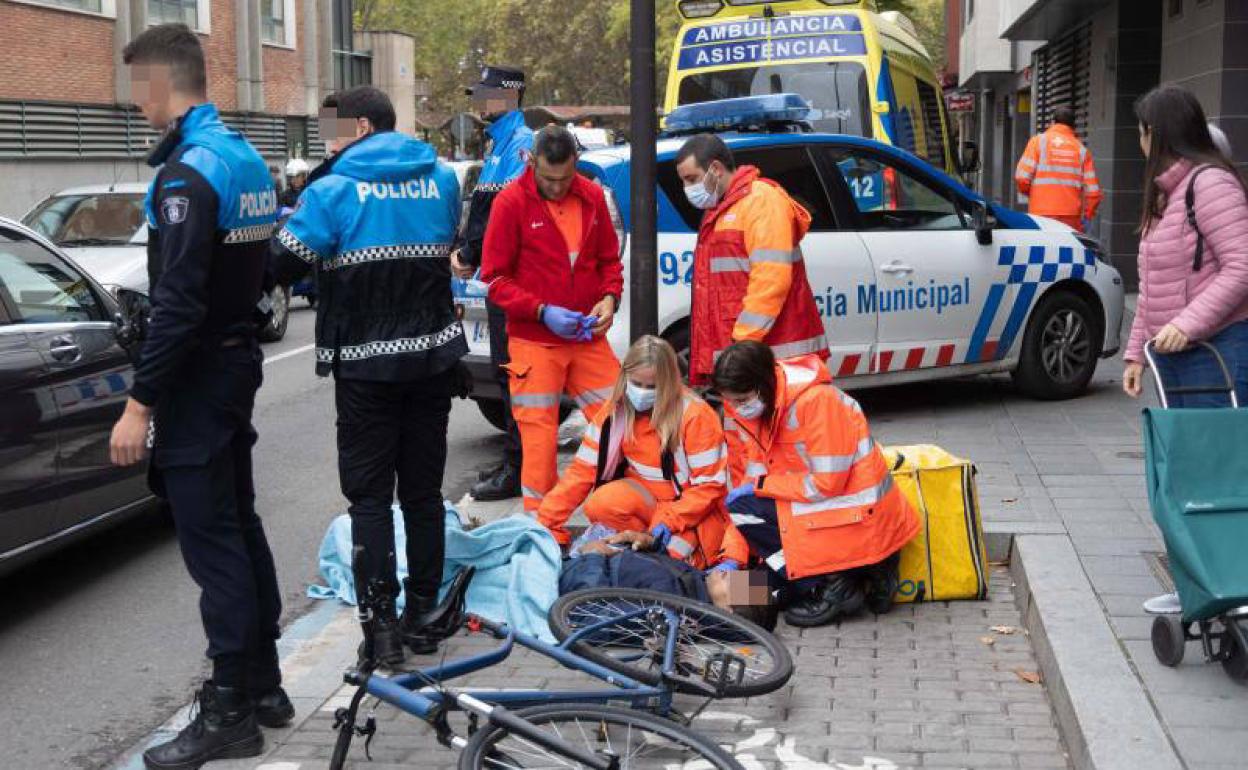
column 653, row 467
column 818, row 505
column 551, row 259
column 1057, row 175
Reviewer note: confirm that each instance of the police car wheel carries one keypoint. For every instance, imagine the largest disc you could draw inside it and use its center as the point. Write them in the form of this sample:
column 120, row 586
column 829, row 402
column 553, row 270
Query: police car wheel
column 276, row 327
column 678, row 338
column 1061, row 348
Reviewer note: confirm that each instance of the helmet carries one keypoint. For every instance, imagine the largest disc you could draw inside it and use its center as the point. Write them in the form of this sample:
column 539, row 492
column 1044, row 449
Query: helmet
column 297, row 166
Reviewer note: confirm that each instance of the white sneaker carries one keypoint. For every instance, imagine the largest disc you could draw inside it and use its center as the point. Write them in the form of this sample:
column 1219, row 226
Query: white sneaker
column 1166, row 604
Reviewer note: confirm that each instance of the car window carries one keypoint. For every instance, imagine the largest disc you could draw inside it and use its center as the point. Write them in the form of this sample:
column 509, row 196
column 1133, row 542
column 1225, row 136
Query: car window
column 890, row 197
column 470, row 181
column 790, row 166
column 43, row 288
column 90, row 220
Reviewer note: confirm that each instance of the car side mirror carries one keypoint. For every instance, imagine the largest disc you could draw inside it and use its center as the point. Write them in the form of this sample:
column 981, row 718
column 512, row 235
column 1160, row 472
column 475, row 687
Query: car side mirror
column 981, row 220
column 968, row 158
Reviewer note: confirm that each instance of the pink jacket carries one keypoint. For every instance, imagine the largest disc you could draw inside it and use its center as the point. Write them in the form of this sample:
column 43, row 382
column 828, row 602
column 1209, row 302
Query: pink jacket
column 1203, row 303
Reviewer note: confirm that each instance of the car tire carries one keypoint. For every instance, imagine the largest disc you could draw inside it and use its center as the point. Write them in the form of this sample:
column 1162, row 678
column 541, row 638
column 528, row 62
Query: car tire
column 678, row 338
column 1060, row 349
column 275, row 329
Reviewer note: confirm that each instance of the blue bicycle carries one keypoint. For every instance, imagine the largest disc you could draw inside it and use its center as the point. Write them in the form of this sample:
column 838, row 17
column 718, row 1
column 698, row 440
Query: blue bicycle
column 647, row 646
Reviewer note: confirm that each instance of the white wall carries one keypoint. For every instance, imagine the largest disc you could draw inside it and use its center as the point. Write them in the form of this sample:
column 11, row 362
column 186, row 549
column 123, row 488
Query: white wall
column 26, row 182
column 982, row 48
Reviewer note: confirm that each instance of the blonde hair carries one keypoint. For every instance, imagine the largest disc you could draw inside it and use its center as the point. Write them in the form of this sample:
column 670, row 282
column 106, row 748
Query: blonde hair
column 669, row 390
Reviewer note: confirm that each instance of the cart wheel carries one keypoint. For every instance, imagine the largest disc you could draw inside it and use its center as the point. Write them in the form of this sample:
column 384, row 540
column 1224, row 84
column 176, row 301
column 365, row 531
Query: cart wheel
column 1169, row 640
column 1234, row 657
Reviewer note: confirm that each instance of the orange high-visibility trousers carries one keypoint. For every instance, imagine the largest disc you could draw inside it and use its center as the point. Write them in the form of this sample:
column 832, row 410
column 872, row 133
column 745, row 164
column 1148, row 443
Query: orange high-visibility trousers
column 540, row 374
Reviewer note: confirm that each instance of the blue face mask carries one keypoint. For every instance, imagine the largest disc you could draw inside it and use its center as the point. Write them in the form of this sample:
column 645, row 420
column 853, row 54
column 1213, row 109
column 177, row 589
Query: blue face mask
column 699, row 196
column 750, row 410
column 641, row 398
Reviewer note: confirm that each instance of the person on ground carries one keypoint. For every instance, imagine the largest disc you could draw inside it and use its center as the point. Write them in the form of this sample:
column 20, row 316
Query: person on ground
column 818, row 506
column 378, row 228
column 1057, row 174
column 296, row 180
column 1193, row 266
column 653, row 467
column 552, row 263
column 211, row 209
column 497, row 99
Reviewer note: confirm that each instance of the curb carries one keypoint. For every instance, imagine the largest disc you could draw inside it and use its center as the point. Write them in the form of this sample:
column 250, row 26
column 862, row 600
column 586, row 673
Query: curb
column 1104, row 714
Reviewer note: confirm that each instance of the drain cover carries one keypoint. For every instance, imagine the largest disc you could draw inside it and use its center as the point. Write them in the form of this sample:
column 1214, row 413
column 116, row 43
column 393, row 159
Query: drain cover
column 1160, row 565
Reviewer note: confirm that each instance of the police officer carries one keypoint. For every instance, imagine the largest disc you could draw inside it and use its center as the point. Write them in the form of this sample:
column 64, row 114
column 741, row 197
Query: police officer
column 211, row 210
column 497, row 100
column 377, row 225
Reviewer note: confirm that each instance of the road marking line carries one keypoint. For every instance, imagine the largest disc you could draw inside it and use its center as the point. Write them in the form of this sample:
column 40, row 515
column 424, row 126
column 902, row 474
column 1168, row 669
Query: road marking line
column 288, row 354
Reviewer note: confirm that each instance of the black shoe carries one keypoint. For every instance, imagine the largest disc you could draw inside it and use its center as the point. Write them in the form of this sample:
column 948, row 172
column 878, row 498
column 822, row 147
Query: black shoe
column 223, row 727
column 882, row 585
column 425, row 624
column 503, row 485
column 491, row 471
column 383, row 643
column 273, row 708
column 840, row 596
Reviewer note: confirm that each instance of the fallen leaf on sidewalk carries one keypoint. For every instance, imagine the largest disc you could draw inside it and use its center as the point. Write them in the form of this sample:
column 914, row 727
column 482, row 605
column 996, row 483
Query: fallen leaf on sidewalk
column 988, row 640
column 1030, row 677
column 1004, row 630
column 1009, row 499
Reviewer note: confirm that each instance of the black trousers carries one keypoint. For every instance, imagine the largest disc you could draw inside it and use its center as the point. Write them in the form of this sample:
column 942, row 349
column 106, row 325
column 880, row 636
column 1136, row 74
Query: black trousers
column 393, row 435
column 512, row 452
column 202, row 465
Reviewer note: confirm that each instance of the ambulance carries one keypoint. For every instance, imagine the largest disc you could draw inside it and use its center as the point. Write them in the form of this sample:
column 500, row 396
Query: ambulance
column 865, row 73
column 917, row 277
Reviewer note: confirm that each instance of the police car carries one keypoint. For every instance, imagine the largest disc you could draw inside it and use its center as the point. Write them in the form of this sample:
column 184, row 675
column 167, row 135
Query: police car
column 917, row 277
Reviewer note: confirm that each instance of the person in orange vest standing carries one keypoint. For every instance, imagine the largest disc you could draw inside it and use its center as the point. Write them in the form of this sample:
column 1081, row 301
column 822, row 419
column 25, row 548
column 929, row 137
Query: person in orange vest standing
column 551, row 259
column 1058, row 176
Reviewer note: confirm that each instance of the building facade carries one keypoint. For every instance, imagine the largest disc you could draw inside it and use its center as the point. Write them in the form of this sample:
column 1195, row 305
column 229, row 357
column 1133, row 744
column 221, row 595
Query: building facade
column 65, row 115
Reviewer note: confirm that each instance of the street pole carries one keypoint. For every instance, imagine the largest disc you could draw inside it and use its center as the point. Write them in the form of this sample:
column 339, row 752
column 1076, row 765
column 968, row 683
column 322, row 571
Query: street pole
column 643, row 266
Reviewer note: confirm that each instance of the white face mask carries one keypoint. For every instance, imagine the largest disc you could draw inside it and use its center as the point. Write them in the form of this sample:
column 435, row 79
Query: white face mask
column 752, row 409
column 641, row 398
column 699, row 196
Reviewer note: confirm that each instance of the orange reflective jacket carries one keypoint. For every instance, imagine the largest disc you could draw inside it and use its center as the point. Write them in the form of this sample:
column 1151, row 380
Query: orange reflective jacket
column 836, row 504
column 1057, row 175
column 749, row 279
column 689, row 496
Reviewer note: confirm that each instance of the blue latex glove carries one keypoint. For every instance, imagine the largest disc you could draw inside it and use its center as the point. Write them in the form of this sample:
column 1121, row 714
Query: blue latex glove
column 586, row 332
column 727, row 565
column 745, row 490
column 563, row 322
column 662, row 536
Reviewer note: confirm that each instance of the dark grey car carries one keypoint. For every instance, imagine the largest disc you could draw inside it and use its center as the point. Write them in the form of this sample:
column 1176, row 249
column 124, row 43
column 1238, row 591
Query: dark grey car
column 64, row 380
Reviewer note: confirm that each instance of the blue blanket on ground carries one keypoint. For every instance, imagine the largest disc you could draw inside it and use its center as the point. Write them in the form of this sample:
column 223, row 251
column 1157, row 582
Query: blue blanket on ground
column 517, row 563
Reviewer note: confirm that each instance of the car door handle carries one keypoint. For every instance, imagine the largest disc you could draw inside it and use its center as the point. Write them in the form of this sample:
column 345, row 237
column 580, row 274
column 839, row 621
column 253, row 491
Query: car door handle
column 896, row 268
column 64, row 349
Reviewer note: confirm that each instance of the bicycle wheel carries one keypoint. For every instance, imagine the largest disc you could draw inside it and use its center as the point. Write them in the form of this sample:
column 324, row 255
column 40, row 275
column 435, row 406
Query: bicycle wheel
column 635, row 647
column 641, row 741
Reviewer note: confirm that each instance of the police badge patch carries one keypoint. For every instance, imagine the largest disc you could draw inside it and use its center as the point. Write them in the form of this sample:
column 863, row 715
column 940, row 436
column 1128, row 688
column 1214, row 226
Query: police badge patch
column 174, row 208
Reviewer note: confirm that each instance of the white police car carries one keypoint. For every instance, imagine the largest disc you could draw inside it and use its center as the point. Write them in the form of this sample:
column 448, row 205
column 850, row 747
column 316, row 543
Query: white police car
column 917, row 276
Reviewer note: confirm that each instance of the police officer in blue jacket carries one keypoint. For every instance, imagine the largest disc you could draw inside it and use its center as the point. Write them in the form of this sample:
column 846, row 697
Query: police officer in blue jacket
column 378, row 225
column 497, row 99
column 211, row 210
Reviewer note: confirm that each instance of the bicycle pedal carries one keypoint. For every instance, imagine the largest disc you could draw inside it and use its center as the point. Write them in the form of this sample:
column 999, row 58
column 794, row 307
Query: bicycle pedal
column 724, row 670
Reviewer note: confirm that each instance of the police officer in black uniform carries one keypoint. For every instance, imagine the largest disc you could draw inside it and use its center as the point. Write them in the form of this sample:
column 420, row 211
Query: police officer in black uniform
column 211, row 210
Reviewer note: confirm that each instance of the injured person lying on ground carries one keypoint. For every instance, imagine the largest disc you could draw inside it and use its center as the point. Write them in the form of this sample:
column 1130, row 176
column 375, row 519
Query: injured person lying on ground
column 813, row 495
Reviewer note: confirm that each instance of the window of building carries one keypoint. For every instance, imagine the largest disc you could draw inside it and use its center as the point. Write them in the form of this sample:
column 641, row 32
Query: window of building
column 277, row 22
column 192, row 13
column 100, row 7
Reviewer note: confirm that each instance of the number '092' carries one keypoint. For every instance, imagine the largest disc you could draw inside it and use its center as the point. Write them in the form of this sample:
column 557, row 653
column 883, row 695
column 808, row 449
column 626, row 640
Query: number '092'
column 674, row 270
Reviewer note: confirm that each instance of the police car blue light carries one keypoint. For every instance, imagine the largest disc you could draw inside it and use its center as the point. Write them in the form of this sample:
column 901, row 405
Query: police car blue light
column 739, row 114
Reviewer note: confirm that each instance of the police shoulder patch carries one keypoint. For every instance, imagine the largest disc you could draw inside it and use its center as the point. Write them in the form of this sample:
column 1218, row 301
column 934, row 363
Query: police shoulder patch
column 174, row 209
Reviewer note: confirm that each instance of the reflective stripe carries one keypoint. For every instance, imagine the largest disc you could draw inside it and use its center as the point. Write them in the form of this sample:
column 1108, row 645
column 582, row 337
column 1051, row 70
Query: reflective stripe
column 535, row 400
column 1057, row 183
column 646, row 496
column 800, row 348
column 680, row 546
column 595, row 431
column 647, row 472
column 591, row 397
column 756, row 469
column 802, row 453
column 717, row 478
column 401, row 346
column 1060, row 170
column 757, row 320
column 841, row 463
column 1027, row 161
column 1093, row 188
column 587, row 455
column 532, row 494
column 745, row 519
column 793, row 423
column 385, row 253
column 808, row 487
column 296, row 246
column 848, row 401
column 868, row 496
column 729, row 423
column 774, row 256
column 730, row 265
column 708, row 457
column 251, row 234
column 776, row 561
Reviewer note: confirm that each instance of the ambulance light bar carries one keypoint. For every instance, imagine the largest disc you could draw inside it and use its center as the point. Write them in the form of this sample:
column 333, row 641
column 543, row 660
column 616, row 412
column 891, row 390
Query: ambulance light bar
column 739, row 114
column 699, row 9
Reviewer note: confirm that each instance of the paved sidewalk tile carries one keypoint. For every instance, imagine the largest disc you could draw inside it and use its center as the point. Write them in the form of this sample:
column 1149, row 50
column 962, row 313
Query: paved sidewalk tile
column 919, row 687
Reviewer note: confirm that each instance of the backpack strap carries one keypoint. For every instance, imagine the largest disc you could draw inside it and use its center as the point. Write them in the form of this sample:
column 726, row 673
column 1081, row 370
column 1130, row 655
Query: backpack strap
column 668, row 465
column 1189, row 200
column 604, row 449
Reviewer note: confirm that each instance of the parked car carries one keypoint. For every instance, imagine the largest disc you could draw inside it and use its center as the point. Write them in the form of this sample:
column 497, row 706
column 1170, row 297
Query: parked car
column 64, row 380
column 917, row 277
column 102, row 227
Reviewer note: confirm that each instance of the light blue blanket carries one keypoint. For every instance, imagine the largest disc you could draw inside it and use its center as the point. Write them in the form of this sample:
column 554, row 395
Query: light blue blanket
column 517, row 563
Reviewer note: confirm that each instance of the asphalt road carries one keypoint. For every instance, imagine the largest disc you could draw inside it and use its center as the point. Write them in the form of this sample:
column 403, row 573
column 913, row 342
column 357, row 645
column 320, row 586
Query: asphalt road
column 100, row 643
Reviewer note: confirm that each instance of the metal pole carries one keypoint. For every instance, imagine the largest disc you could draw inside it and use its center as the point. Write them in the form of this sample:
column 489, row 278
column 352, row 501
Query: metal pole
column 643, row 267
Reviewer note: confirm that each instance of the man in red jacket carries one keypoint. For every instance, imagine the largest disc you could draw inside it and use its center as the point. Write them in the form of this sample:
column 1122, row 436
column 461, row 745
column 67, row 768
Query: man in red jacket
column 551, row 259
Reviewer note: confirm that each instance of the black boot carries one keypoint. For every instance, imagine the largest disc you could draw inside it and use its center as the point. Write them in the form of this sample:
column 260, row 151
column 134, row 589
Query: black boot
column 503, row 485
column 383, row 644
column 425, row 624
column 491, row 471
column 414, row 621
column 223, row 727
column 841, row 595
column 273, row 708
column 883, row 583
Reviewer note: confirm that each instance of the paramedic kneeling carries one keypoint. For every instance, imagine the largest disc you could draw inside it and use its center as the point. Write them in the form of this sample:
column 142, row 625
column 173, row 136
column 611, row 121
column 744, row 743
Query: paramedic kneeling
column 818, row 504
column 652, row 461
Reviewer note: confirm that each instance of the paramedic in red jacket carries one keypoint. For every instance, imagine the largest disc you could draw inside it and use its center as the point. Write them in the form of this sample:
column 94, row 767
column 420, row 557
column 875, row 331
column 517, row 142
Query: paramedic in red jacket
column 551, row 259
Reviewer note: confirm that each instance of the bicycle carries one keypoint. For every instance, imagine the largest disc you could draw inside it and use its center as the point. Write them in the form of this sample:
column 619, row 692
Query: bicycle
column 646, row 646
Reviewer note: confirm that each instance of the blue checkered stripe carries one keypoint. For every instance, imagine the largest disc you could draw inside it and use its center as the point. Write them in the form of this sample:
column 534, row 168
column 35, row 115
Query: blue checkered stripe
column 1045, row 265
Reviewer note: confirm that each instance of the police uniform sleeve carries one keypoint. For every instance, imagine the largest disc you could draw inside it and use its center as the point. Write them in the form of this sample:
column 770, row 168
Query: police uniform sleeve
column 306, row 238
column 186, row 207
column 471, row 242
